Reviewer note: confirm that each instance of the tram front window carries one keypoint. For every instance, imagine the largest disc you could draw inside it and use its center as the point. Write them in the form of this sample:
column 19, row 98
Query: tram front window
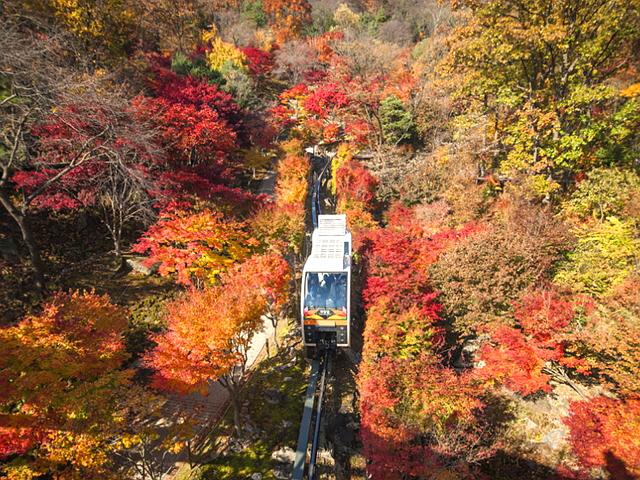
column 325, row 290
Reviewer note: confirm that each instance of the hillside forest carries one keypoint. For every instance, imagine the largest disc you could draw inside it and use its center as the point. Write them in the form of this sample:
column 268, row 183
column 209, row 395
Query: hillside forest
column 153, row 188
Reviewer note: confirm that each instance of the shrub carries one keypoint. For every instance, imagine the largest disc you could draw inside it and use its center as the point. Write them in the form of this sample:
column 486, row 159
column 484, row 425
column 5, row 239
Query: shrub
column 222, row 53
column 253, row 11
column 482, row 276
column 410, row 178
column 280, row 227
column 292, row 179
column 609, row 337
column 355, row 183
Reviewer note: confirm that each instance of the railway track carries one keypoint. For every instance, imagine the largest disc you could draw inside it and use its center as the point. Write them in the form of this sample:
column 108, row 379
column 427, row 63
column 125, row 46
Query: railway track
column 327, row 343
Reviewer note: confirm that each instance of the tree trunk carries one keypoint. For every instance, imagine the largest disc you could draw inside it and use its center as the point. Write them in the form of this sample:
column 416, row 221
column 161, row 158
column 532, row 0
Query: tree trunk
column 121, row 262
column 189, row 455
column 274, row 322
column 117, row 249
column 27, row 236
column 235, row 403
column 234, row 395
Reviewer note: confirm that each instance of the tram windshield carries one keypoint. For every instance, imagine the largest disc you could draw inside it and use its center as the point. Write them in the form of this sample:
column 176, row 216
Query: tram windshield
column 325, row 290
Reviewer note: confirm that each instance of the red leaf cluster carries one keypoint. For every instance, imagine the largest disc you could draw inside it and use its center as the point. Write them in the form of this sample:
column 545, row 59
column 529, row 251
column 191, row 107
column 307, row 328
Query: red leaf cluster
column 514, row 362
column 356, row 189
column 15, row 441
column 517, row 356
column 604, row 434
column 74, row 146
column 260, row 61
column 326, row 98
column 397, row 258
column 183, row 183
column 193, row 135
column 329, row 109
column 354, row 182
column 201, row 95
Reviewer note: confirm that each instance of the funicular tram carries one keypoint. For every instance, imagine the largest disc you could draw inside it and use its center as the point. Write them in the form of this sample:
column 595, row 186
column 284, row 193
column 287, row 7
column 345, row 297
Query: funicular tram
column 326, row 285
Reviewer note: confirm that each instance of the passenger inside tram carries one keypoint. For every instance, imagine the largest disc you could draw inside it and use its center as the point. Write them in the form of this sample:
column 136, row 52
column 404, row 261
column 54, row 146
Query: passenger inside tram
column 326, row 290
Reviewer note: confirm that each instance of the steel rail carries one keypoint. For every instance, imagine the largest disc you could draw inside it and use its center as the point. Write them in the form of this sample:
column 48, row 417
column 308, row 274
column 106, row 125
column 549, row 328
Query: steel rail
column 305, row 424
column 316, row 208
column 316, row 433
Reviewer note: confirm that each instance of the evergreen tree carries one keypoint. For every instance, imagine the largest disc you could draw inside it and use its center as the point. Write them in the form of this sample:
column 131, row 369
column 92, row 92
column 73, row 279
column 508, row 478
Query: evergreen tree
column 397, row 121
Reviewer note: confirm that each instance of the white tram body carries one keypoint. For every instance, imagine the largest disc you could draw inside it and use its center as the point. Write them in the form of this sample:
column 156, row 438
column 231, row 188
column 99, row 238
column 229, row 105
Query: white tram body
column 326, row 283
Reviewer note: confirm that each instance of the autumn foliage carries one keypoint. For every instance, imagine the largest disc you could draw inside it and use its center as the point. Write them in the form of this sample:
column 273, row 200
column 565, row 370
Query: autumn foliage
column 195, row 135
column 76, row 146
column 292, row 180
column 604, row 434
column 486, row 158
column 197, row 122
column 259, row 62
column 517, row 356
column 356, row 189
column 608, row 338
column 196, row 246
column 207, row 333
column 60, row 373
column 288, row 17
column 210, row 330
column 281, row 223
column 416, row 412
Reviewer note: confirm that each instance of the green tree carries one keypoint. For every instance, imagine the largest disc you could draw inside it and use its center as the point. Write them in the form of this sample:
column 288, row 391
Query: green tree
column 605, row 192
column 397, row 121
column 604, row 257
column 253, row 11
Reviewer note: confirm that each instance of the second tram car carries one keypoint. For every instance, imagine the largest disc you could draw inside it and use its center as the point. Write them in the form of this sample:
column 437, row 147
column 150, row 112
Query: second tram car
column 326, row 284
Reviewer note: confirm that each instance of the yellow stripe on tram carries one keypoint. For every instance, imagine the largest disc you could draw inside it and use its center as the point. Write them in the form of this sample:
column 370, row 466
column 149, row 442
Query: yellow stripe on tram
column 325, row 323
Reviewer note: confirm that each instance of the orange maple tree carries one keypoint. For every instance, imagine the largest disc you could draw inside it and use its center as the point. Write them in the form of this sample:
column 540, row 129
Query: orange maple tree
column 288, row 17
column 281, row 223
column 197, row 246
column 210, row 331
column 269, row 275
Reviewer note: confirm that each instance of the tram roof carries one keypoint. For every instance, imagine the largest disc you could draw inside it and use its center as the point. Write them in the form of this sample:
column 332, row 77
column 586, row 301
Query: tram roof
column 328, row 251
